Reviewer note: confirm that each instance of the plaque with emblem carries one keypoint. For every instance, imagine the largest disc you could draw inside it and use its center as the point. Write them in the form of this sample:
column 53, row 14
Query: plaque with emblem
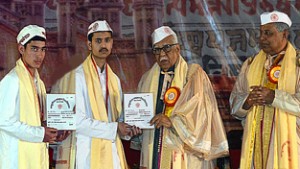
column 138, row 109
column 60, row 111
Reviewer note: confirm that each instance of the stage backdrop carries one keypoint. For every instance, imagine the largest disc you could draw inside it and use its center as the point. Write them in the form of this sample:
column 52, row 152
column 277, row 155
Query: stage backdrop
column 217, row 34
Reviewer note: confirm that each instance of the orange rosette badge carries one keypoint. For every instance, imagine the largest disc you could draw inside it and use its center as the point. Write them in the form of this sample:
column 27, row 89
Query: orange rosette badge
column 274, row 73
column 171, row 96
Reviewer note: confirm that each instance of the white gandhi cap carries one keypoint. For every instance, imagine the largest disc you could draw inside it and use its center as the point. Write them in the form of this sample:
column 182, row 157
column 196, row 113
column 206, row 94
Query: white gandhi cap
column 161, row 33
column 99, row 26
column 30, row 31
column 275, row 17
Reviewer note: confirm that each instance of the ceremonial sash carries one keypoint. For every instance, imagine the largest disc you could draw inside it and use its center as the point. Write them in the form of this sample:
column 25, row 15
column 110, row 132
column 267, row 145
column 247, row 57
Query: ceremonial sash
column 101, row 149
column 170, row 98
column 265, row 117
column 31, row 155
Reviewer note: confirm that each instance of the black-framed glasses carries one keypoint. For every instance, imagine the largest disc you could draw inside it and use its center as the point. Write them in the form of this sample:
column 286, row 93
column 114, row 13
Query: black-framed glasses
column 166, row 48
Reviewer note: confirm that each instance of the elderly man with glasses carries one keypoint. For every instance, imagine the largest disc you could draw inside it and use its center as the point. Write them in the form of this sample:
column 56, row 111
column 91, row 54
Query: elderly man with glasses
column 188, row 132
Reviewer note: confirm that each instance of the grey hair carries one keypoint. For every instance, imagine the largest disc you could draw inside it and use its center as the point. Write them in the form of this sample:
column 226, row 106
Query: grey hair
column 175, row 39
column 280, row 26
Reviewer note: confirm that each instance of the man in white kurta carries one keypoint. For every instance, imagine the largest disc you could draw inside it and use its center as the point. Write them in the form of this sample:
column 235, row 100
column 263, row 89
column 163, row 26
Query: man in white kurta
column 98, row 106
column 189, row 132
column 88, row 127
column 266, row 97
column 22, row 137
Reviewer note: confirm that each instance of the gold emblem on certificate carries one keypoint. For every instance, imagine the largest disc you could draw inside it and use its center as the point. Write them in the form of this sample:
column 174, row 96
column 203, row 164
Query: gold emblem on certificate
column 138, row 109
column 171, row 96
column 274, row 73
column 60, row 111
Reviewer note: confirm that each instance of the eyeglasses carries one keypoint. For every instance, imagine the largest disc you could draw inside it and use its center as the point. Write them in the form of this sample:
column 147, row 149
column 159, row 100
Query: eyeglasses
column 37, row 49
column 165, row 48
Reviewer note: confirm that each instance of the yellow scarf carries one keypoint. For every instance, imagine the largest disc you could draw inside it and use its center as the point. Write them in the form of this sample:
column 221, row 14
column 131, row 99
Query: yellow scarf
column 66, row 159
column 150, row 84
column 31, row 155
column 101, row 149
column 285, row 141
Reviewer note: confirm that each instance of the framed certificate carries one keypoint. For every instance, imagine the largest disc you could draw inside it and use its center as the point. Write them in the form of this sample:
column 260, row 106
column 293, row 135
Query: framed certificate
column 138, row 109
column 60, row 111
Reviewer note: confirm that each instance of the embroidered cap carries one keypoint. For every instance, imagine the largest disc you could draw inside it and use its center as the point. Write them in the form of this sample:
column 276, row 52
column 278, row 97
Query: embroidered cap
column 30, row 31
column 99, row 26
column 274, row 17
column 161, row 33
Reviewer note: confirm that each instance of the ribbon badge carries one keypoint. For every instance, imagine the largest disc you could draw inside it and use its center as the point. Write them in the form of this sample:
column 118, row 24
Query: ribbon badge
column 171, row 96
column 274, row 73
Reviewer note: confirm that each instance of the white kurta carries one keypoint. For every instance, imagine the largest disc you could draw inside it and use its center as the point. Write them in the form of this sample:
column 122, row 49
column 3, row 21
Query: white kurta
column 11, row 129
column 87, row 126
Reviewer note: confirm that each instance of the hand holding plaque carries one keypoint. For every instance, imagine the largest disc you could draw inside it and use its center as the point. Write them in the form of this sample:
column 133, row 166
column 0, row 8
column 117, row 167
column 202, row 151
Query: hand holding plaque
column 138, row 109
column 60, row 111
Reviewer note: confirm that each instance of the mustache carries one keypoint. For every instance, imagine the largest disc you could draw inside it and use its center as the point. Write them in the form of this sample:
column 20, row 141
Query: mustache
column 163, row 58
column 103, row 50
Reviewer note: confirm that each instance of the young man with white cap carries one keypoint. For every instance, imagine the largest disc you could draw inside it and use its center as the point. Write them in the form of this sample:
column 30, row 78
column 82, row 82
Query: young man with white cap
column 266, row 97
column 99, row 106
column 189, row 130
column 23, row 139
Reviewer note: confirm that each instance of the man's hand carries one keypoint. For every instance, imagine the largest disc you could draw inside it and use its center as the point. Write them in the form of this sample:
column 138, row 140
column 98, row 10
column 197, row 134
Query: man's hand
column 62, row 135
column 50, row 135
column 135, row 131
column 161, row 120
column 124, row 129
column 259, row 96
column 249, row 101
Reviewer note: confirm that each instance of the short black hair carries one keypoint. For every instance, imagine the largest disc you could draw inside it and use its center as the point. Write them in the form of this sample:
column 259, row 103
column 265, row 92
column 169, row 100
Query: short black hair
column 36, row 38
column 90, row 37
